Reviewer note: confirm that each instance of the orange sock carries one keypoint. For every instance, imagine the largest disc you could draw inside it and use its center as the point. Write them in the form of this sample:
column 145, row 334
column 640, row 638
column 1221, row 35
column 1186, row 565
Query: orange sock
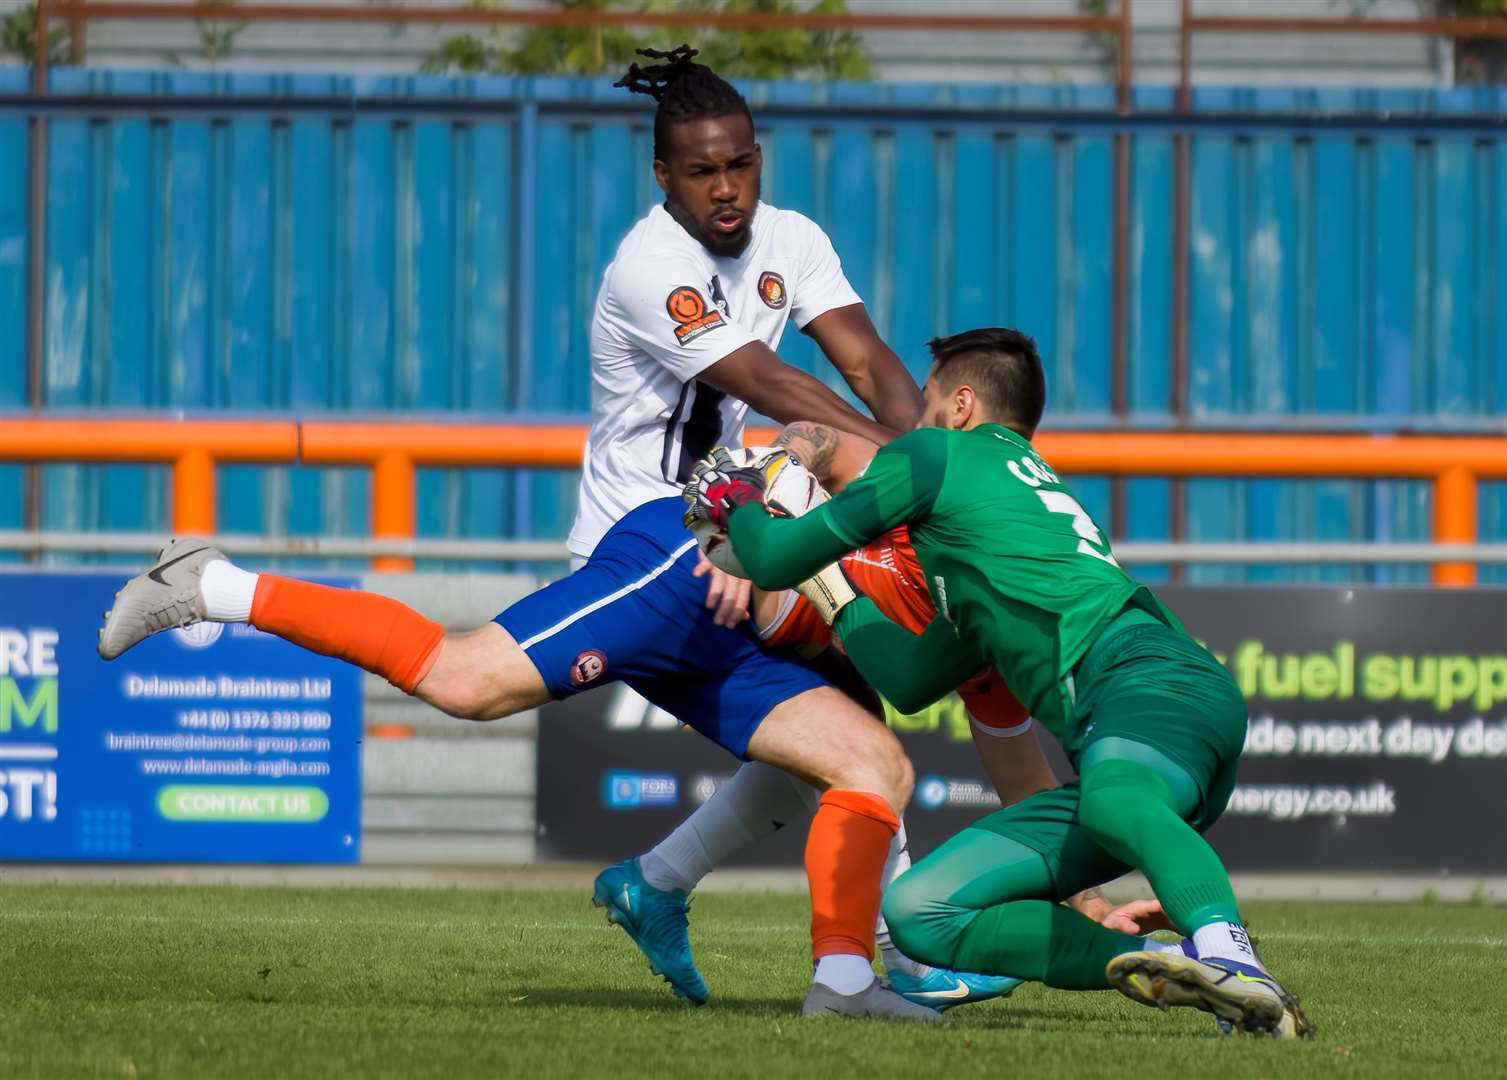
column 845, row 853
column 374, row 632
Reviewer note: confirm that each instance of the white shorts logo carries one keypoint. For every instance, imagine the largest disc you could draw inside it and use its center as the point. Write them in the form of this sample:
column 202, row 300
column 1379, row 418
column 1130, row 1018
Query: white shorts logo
column 199, row 635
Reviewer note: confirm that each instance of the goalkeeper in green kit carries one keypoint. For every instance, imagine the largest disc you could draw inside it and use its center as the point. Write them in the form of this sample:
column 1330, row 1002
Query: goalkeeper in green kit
column 1024, row 582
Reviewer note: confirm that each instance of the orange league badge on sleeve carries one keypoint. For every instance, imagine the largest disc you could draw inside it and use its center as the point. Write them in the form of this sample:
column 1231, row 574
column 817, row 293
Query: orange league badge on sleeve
column 691, row 314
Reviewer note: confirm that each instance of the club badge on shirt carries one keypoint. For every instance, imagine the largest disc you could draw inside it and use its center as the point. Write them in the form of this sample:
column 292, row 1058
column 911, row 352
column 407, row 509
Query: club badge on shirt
column 588, row 667
column 772, row 289
column 691, row 314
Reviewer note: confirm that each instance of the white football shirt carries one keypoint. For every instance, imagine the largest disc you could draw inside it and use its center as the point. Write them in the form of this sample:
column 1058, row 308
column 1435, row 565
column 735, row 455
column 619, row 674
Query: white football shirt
column 668, row 309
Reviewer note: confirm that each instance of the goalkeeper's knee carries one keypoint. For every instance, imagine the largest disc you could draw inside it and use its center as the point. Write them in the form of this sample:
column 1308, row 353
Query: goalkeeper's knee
column 923, row 924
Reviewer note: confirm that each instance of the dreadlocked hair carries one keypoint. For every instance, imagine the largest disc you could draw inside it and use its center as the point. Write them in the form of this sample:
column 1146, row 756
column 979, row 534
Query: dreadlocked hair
column 684, row 90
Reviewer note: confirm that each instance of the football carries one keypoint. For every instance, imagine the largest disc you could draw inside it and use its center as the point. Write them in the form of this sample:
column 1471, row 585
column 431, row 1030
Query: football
column 793, row 490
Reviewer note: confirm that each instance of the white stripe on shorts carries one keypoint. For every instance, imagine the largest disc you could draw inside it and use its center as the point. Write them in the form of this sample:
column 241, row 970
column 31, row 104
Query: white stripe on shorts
column 597, row 605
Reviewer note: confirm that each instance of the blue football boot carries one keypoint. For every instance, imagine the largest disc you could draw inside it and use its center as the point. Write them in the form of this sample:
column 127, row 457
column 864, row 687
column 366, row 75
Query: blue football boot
column 941, row 989
column 656, row 921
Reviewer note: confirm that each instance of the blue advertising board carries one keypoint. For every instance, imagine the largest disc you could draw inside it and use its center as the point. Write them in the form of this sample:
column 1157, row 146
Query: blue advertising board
column 215, row 743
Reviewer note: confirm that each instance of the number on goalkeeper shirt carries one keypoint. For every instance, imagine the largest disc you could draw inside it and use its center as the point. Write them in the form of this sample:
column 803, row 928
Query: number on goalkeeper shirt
column 1092, row 542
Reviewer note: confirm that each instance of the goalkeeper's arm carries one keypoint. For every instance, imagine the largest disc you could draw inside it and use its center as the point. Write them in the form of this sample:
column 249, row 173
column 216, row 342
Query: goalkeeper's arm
column 900, row 486
column 910, row 671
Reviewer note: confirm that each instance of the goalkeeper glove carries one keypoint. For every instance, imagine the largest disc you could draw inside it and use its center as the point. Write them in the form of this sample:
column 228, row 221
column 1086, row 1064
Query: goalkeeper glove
column 828, row 591
column 719, row 485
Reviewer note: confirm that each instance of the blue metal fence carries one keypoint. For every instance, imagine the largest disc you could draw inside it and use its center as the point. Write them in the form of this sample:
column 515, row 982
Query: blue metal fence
column 312, row 244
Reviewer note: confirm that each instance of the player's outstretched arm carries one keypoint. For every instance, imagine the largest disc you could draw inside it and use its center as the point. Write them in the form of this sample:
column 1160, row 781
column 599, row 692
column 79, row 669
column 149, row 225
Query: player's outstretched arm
column 1014, row 763
column 755, row 373
column 871, row 368
column 909, row 670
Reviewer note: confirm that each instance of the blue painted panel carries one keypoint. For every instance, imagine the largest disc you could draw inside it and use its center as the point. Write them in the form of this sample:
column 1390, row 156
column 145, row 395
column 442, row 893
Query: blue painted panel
column 1400, row 511
column 1149, row 352
column 312, row 286
column 369, row 364
column 1333, row 358
column 487, row 271
column 424, row 309
column 919, row 274
column 1211, row 257
column 1148, row 517
column 1493, row 524
column 15, row 150
column 1215, row 511
column 1035, row 216
column 554, row 287
column 1085, row 315
column 794, row 158
column 853, row 219
column 1273, row 270
column 974, row 298
column 134, row 261
column 1495, row 303
column 1455, row 229
column 69, row 493
column 1392, row 249
column 244, row 339
column 326, row 256
column 184, row 309
column 71, row 248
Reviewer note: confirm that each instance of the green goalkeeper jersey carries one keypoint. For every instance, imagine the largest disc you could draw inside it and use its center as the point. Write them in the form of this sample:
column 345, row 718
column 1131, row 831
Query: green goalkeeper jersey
column 1019, row 572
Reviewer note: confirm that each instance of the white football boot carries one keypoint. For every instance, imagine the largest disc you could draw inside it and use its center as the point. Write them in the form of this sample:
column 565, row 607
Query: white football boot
column 166, row 596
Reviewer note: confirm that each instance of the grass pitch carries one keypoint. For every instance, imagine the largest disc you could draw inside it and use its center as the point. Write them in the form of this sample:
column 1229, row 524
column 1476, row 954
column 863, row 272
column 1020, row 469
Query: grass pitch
column 158, row 981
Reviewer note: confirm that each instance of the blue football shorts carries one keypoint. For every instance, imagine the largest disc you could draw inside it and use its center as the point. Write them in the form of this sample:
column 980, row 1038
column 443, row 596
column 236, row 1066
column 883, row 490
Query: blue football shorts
column 635, row 614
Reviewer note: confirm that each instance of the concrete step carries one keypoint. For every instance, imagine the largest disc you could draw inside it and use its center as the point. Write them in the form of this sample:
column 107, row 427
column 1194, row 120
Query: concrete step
column 510, row 814
column 449, row 767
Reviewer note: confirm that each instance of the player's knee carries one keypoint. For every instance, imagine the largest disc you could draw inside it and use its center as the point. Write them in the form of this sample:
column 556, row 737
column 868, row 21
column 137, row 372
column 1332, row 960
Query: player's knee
column 922, row 925
column 482, row 675
column 462, row 698
column 880, row 765
column 905, row 779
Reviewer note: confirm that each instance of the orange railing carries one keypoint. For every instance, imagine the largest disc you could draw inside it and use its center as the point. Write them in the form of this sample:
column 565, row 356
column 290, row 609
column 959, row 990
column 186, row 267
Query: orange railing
column 394, row 450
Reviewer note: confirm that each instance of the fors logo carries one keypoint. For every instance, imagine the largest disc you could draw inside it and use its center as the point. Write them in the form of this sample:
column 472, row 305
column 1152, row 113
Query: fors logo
column 632, row 790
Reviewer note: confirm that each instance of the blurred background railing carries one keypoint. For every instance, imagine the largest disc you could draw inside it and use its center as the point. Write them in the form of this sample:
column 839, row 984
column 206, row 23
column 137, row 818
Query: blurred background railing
column 195, row 449
column 1190, row 256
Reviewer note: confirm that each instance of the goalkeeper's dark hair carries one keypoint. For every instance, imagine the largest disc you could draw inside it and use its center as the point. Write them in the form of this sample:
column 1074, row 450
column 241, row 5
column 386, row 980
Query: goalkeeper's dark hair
column 1004, row 369
column 684, row 90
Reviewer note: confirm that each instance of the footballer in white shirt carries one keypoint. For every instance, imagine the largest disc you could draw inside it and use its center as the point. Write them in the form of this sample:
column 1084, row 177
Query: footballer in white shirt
column 695, row 303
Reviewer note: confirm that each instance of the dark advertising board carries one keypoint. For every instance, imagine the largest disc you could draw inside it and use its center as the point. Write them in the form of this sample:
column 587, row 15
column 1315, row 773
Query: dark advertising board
column 214, row 743
column 1377, row 740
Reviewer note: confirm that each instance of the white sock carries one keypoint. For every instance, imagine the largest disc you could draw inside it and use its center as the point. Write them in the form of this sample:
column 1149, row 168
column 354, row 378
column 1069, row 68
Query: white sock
column 227, row 591
column 896, row 864
column 1151, row 944
column 844, row 972
column 1227, row 940
column 753, row 804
